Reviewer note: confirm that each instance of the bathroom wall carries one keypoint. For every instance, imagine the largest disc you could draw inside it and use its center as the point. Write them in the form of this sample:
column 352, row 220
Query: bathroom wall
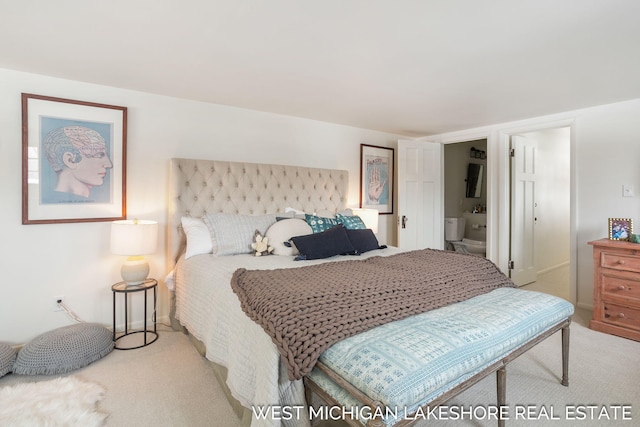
column 456, row 160
column 475, row 226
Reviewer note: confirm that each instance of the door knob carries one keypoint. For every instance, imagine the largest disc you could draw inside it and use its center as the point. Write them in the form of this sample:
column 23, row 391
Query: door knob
column 404, row 221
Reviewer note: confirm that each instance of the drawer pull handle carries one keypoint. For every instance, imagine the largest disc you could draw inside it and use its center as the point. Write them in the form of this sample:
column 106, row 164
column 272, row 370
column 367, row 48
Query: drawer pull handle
column 621, row 288
column 621, row 261
column 621, row 315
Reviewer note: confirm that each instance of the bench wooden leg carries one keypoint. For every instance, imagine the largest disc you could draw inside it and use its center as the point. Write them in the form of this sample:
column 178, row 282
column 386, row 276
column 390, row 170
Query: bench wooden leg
column 565, row 356
column 501, row 381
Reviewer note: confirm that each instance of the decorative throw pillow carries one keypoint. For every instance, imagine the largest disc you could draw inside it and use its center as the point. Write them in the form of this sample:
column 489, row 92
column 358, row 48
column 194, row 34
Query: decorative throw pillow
column 319, row 223
column 351, row 222
column 261, row 245
column 325, row 244
column 282, row 231
column 7, row 357
column 64, row 349
column 198, row 237
column 232, row 234
column 363, row 240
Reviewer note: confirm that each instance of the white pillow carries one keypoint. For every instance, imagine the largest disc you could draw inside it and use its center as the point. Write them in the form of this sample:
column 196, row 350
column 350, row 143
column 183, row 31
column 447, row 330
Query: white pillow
column 284, row 230
column 233, row 234
column 198, row 237
column 324, row 213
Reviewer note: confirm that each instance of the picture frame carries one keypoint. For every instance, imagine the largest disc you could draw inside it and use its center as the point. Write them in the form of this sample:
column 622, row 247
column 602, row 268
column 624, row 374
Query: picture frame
column 73, row 160
column 377, row 178
column 620, row 228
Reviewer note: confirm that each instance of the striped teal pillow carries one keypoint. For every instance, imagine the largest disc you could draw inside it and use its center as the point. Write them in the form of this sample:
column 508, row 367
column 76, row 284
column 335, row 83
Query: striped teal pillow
column 319, row 224
column 351, row 222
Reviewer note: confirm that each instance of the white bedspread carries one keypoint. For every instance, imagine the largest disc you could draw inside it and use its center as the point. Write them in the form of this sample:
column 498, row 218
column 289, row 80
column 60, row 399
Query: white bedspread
column 211, row 312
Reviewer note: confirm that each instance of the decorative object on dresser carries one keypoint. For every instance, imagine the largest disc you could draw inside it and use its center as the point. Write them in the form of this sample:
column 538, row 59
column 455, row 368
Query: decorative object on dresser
column 616, row 288
column 620, row 228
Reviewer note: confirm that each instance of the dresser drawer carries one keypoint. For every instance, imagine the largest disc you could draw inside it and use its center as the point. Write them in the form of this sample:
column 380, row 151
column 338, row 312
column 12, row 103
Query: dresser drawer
column 620, row 315
column 619, row 287
column 620, row 262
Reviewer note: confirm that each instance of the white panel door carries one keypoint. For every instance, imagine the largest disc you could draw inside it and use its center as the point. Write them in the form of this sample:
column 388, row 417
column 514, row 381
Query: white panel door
column 523, row 207
column 420, row 213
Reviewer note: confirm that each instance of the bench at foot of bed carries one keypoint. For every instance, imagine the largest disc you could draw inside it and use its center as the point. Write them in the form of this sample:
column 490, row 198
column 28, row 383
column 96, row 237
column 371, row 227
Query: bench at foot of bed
column 403, row 368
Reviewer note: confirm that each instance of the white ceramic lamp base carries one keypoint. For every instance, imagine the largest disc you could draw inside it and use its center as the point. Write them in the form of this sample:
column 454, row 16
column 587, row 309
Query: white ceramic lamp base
column 134, row 271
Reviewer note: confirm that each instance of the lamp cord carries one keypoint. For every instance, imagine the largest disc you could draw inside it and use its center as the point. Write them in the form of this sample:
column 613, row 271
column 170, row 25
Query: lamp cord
column 70, row 312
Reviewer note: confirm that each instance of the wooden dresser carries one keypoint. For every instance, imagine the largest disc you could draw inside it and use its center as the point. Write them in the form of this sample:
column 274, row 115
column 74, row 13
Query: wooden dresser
column 616, row 288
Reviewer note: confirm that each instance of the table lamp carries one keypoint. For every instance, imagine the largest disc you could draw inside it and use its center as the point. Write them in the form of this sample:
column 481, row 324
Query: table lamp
column 134, row 238
column 368, row 216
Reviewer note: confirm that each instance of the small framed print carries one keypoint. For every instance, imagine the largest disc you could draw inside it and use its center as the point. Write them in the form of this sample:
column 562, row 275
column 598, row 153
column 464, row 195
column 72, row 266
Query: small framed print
column 620, row 228
column 73, row 160
column 376, row 178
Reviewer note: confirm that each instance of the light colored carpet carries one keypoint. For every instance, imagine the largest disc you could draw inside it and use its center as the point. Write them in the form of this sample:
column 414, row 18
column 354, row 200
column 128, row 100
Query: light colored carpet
column 169, row 384
column 164, row 384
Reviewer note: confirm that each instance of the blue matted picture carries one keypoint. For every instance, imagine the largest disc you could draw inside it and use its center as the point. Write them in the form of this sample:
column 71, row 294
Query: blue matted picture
column 376, row 178
column 74, row 160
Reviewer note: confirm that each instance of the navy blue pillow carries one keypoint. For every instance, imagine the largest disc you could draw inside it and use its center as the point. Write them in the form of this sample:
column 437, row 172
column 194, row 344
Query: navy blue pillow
column 325, row 244
column 363, row 240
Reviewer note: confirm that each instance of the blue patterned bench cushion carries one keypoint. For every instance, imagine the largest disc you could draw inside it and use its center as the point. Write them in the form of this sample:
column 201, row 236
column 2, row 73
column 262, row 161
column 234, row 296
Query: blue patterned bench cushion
column 408, row 363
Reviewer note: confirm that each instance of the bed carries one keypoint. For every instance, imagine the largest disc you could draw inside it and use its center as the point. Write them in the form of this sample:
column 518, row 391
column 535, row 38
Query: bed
column 212, row 299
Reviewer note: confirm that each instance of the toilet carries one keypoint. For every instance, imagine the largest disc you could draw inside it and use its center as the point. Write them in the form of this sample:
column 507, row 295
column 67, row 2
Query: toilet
column 454, row 232
column 478, row 247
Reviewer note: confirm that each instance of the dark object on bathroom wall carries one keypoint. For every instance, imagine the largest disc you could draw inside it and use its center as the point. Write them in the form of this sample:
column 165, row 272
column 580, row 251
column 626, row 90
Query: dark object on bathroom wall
column 474, row 180
column 474, row 153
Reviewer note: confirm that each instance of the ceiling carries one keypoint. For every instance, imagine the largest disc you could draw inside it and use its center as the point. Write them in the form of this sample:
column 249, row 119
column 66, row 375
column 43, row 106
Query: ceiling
column 413, row 68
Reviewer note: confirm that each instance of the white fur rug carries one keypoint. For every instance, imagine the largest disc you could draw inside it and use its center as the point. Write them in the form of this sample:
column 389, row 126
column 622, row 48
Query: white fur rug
column 66, row 401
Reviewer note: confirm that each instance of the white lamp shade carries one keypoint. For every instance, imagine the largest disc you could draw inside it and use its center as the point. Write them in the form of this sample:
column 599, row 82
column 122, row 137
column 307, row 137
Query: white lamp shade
column 368, row 216
column 134, row 237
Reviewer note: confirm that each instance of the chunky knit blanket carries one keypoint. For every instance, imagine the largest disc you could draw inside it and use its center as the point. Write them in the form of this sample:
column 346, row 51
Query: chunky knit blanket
column 307, row 309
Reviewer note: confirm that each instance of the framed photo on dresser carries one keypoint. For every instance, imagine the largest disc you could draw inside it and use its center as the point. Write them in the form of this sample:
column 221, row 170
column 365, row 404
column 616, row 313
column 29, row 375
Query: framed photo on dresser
column 620, row 228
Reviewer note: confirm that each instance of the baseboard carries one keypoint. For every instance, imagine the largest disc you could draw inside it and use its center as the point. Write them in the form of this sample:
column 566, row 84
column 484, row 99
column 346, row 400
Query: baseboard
column 555, row 267
column 584, row 305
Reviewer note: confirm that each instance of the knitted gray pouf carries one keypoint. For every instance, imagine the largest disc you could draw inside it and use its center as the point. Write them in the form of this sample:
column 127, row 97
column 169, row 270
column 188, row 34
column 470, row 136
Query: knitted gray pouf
column 64, row 349
column 7, row 357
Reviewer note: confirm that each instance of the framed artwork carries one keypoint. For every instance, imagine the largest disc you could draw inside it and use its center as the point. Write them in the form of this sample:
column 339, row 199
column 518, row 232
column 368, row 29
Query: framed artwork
column 620, row 228
column 73, row 160
column 376, row 178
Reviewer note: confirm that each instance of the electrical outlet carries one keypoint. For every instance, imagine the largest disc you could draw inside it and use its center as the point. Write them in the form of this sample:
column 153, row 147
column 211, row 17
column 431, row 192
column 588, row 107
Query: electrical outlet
column 57, row 298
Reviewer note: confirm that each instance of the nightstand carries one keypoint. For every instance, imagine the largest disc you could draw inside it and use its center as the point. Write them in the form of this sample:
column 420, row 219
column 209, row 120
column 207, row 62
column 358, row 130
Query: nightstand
column 149, row 335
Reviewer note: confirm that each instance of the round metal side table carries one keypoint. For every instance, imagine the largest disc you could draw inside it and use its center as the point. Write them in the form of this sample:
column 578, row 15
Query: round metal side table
column 150, row 335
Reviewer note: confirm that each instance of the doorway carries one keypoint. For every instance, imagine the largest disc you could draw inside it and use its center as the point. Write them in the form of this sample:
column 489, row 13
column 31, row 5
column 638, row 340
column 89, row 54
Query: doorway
column 540, row 218
column 465, row 186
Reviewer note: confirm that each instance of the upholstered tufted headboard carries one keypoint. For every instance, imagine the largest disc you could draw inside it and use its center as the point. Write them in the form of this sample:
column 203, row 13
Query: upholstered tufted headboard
column 198, row 187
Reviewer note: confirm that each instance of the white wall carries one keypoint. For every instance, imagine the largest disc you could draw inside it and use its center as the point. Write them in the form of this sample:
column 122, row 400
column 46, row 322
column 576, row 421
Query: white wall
column 605, row 150
column 39, row 262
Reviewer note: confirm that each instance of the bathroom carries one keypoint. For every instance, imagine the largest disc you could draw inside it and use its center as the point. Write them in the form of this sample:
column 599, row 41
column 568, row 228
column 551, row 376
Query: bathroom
column 465, row 196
